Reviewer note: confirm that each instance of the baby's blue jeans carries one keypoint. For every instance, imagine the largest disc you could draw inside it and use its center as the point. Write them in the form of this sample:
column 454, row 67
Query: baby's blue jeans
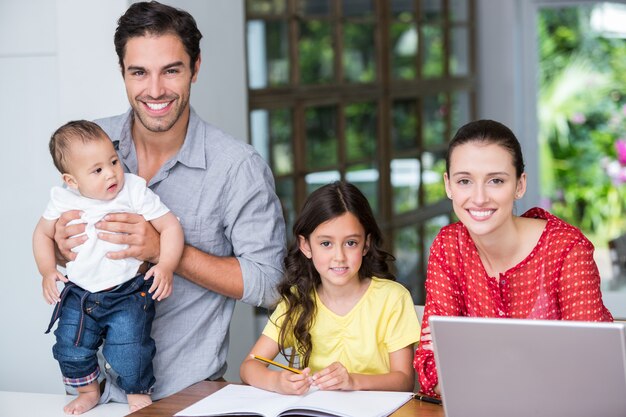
column 122, row 319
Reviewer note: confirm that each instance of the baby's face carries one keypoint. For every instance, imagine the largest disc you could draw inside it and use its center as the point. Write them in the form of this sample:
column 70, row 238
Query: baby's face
column 94, row 169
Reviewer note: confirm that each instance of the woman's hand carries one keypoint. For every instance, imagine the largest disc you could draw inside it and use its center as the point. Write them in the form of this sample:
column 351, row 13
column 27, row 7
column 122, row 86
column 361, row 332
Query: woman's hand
column 426, row 339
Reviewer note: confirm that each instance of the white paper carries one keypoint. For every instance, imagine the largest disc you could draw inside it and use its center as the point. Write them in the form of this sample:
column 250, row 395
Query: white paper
column 246, row 400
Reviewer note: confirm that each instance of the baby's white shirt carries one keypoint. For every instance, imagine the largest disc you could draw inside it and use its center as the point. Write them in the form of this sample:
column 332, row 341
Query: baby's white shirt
column 92, row 270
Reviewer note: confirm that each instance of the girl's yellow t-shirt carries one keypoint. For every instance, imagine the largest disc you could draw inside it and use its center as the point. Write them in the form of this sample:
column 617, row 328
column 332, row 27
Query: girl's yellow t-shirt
column 383, row 321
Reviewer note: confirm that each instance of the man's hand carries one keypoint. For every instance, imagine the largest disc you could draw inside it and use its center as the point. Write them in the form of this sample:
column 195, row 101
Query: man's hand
column 63, row 235
column 133, row 230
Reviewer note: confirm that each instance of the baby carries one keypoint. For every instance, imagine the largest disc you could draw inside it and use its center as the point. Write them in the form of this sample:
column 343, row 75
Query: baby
column 103, row 299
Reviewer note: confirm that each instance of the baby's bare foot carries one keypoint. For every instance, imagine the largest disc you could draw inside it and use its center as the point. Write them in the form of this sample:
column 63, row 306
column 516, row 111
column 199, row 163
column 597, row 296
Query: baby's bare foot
column 138, row 401
column 84, row 402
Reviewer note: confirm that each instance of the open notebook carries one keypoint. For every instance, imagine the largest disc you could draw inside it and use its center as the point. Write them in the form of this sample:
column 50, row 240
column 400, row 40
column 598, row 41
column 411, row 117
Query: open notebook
column 520, row 368
column 244, row 400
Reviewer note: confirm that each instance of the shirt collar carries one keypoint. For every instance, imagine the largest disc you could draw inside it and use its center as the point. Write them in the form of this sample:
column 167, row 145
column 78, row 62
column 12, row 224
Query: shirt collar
column 193, row 151
column 191, row 154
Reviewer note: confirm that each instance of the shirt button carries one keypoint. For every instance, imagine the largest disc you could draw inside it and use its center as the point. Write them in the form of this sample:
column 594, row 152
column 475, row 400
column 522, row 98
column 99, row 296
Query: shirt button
column 503, row 282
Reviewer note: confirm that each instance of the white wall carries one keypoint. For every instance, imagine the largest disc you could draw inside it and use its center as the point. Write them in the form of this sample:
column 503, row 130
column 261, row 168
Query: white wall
column 506, row 78
column 57, row 62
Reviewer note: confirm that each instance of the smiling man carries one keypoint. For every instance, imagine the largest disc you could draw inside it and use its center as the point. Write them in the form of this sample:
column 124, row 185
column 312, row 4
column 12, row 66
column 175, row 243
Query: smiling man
column 220, row 188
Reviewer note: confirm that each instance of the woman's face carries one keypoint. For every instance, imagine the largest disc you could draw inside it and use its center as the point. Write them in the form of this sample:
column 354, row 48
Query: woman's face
column 483, row 186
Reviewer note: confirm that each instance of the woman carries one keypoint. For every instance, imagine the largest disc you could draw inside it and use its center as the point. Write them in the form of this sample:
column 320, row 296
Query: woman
column 493, row 263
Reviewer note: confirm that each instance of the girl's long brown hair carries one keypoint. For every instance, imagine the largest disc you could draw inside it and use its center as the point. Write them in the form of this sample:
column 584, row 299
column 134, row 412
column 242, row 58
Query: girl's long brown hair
column 301, row 278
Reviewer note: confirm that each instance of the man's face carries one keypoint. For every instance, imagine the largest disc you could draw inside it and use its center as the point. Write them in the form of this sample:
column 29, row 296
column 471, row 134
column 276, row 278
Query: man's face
column 158, row 78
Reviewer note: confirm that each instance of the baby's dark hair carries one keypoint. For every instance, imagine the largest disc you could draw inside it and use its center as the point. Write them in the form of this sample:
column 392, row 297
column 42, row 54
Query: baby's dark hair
column 61, row 139
column 301, row 278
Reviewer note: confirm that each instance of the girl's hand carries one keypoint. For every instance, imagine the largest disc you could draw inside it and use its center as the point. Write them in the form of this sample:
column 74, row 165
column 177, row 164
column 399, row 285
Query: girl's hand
column 162, row 283
column 294, row 384
column 426, row 340
column 49, row 283
column 334, row 377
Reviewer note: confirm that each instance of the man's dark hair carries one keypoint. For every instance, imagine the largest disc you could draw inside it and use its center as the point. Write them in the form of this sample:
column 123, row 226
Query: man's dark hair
column 154, row 18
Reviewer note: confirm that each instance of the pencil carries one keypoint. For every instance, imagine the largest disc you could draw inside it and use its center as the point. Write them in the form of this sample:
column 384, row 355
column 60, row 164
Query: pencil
column 280, row 365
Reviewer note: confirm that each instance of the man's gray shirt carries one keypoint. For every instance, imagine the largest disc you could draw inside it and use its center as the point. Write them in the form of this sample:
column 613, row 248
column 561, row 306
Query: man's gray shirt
column 223, row 193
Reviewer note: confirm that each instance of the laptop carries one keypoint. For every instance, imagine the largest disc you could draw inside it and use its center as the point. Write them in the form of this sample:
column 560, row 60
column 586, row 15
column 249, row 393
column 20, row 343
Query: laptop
column 509, row 367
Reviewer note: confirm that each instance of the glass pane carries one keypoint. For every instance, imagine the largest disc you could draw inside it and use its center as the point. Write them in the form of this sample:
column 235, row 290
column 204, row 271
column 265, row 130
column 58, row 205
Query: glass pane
column 321, row 137
column 361, row 130
column 433, row 165
column 271, row 136
column 314, row 7
column 459, row 10
column 404, row 41
column 359, row 52
column 366, row 178
column 401, row 8
column 259, row 132
column 285, row 191
column 432, row 62
column 431, row 10
column 406, row 245
column 460, row 109
column 404, row 127
column 405, row 182
column 280, row 136
column 435, row 110
column 268, row 60
column 265, row 6
column 315, row 180
column 431, row 229
column 316, row 52
column 459, row 52
column 358, row 8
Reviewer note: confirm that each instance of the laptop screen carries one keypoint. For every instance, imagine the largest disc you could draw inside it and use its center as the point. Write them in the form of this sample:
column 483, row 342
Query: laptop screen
column 509, row 367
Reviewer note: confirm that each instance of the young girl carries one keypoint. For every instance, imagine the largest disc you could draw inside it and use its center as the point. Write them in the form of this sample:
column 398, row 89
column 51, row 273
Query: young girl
column 493, row 263
column 351, row 326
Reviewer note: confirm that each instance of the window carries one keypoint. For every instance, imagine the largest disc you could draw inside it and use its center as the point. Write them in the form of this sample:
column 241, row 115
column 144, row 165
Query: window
column 369, row 91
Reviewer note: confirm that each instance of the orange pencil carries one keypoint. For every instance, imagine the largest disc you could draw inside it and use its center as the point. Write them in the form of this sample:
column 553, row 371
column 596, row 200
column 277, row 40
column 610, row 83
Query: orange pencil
column 280, row 365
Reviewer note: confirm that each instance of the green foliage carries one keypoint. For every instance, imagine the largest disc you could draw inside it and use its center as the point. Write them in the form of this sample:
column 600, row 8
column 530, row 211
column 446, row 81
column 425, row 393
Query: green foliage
column 315, row 52
column 581, row 113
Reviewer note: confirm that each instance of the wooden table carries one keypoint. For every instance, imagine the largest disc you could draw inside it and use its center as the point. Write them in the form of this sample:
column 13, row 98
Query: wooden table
column 169, row 406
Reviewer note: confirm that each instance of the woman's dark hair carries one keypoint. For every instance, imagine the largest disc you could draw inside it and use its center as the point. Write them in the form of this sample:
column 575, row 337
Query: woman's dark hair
column 488, row 132
column 301, row 278
column 154, row 18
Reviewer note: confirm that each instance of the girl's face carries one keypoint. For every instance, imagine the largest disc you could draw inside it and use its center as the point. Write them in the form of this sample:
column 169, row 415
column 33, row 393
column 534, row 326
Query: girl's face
column 336, row 248
column 483, row 186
